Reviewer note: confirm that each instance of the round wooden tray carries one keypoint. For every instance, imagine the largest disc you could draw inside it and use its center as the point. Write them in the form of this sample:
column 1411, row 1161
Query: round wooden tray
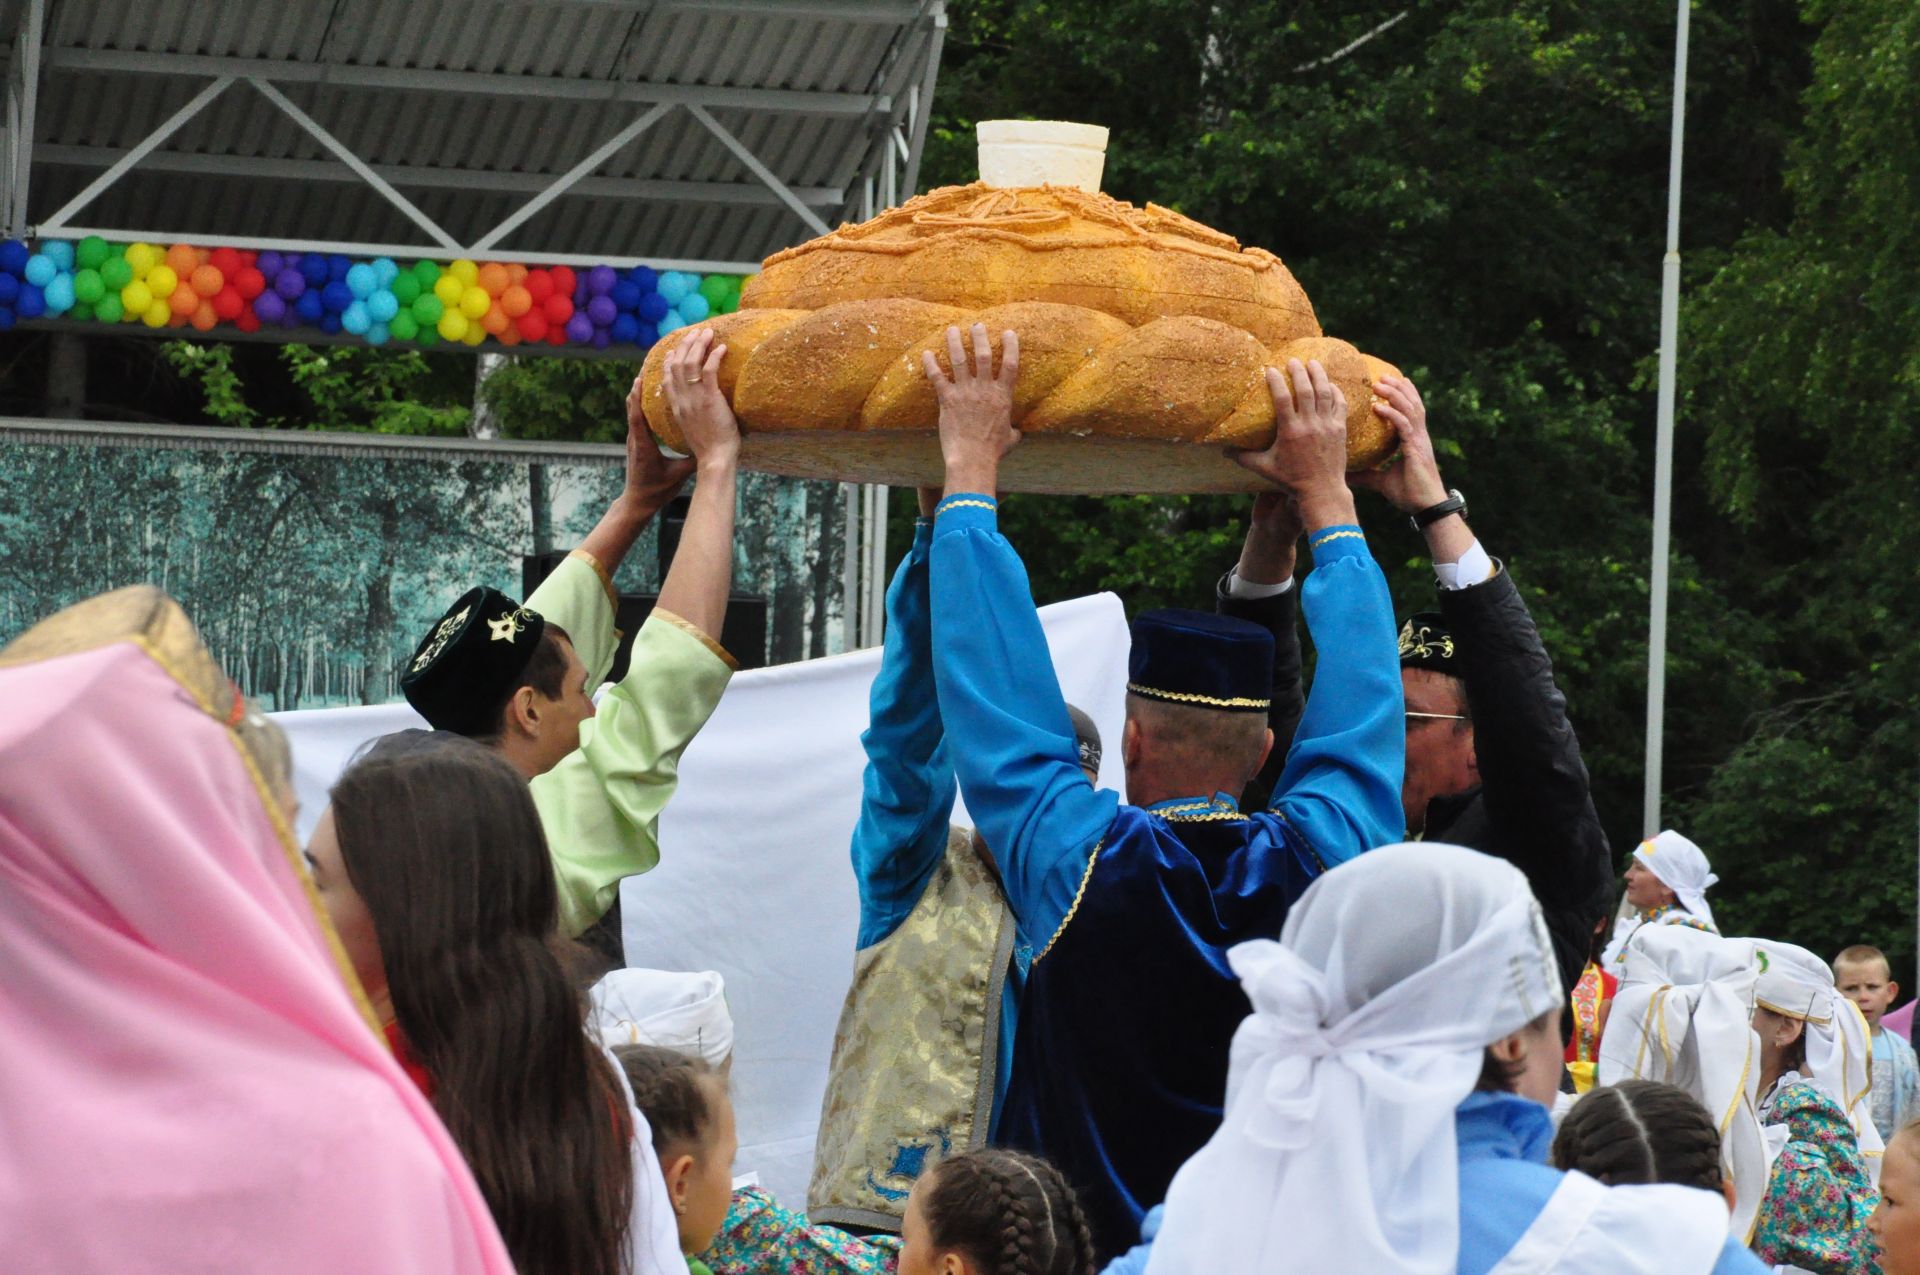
column 1056, row 464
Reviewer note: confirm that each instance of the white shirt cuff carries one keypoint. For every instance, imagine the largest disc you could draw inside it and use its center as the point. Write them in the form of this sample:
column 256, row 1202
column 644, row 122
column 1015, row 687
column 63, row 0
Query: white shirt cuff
column 1474, row 567
column 1238, row 588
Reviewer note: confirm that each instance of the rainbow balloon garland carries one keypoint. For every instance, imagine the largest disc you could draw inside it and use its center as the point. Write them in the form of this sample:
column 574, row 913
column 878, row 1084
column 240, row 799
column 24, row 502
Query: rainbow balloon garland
column 425, row 302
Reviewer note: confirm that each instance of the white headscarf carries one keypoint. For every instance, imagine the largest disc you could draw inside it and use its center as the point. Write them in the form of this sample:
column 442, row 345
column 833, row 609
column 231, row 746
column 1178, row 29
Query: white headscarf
column 1371, row 1017
column 687, row 1012
column 1798, row 984
column 1683, row 868
column 1683, row 1016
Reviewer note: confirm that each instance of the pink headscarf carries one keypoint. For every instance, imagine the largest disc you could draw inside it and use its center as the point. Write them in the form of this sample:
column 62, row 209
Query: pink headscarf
column 191, row 1079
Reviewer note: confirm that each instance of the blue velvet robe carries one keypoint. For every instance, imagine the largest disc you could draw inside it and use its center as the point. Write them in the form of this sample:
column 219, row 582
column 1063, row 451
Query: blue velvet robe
column 1120, row 1057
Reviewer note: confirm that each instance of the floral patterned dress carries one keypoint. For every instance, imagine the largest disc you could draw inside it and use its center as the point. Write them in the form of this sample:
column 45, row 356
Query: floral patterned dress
column 761, row 1238
column 1814, row 1215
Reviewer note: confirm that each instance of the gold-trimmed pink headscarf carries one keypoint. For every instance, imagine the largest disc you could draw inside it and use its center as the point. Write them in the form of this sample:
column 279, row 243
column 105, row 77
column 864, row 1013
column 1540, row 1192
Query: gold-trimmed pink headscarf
column 192, row 1080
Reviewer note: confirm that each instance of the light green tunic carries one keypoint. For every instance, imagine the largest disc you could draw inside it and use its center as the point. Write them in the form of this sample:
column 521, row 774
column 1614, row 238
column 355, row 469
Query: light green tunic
column 601, row 805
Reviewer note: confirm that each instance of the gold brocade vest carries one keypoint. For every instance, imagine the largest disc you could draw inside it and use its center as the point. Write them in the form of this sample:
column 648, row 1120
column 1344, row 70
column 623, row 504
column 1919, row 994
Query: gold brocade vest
column 914, row 1057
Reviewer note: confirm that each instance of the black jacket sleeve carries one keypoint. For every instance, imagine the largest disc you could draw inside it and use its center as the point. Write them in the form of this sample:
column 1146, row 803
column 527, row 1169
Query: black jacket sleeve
column 1535, row 795
column 1278, row 615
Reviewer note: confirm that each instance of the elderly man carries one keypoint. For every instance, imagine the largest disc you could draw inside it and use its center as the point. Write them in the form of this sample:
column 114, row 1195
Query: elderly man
column 1119, row 1065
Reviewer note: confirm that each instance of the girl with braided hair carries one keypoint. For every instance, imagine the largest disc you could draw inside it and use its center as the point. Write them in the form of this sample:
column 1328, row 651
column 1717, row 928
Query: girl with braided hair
column 994, row 1212
column 1639, row 1132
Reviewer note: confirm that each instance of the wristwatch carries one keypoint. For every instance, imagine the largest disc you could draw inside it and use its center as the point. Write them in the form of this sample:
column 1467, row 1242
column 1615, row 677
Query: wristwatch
column 1455, row 503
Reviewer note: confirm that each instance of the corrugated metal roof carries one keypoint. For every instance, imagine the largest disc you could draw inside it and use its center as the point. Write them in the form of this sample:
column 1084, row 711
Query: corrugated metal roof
column 399, row 82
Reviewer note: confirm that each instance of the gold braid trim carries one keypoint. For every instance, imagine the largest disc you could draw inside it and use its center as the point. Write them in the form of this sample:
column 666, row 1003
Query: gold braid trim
column 1338, row 535
column 1078, row 895
column 693, row 630
column 965, row 504
column 599, row 569
column 1182, row 697
column 1217, row 816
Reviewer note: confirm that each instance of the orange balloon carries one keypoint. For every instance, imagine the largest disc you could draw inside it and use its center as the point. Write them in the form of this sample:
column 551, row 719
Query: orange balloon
column 495, row 321
column 185, row 300
column 204, row 318
column 202, row 255
column 516, row 301
column 509, row 335
column 516, row 273
column 182, row 259
column 207, row 281
column 494, row 278
column 175, row 319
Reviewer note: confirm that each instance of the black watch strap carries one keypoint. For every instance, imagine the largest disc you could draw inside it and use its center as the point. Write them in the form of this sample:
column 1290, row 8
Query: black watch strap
column 1455, row 503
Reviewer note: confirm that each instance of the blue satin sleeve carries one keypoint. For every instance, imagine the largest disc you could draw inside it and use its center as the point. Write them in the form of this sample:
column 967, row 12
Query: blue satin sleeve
column 907, row 792
column 1341, row 784
column 1009, row 735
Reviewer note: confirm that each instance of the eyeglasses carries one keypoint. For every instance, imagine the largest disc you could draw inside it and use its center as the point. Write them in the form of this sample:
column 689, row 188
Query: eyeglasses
column 1438, row 717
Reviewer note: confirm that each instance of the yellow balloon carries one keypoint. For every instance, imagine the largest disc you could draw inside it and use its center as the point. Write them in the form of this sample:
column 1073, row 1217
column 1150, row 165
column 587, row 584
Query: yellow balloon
column 157, row 314
column 453, row 326
column 137, row 297
column 141, row 257
column 465, row 271
column 474, row 334
column 475, row 302
column 449, row 290
column 162, row 280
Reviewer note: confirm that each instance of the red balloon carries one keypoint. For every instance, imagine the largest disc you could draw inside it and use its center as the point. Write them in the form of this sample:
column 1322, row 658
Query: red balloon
column 557, row 335
column 248, row 321
column 532, row 325
column 248, row 282
column 558, row 308
column 228, row 303
column 226, row 261
column 249, row 257
column 564, row 280
column 539, row 285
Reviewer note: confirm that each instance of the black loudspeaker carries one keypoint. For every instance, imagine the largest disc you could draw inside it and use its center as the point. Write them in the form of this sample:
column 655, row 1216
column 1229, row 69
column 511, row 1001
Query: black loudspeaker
column 744, row 633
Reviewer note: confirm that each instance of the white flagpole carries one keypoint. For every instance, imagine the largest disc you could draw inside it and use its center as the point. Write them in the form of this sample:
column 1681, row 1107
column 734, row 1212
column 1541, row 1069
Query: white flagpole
column 1663, row 440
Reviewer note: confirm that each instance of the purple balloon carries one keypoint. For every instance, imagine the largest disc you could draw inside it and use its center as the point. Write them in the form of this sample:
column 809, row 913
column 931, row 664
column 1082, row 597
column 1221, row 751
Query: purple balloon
column 579, row 328
column 601, row 279
column 602, row 338
column 602, row 311
column 290, row 284
column 270, row 307
column 270, row 263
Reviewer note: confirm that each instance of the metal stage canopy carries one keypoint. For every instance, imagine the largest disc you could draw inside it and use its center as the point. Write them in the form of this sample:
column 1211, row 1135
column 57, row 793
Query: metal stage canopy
column 696, row 135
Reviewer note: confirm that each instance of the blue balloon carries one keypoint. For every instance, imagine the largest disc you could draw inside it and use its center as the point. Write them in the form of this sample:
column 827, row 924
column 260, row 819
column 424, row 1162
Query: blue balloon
column 309, row 307
column 60, row 296
column 6, row 318
column 377, row 333
column 313, row 268
column 382, row 306
column 626, row 294
column 336, row 296
column 693, row 307
column 362, row 280
column 13, row 256
column 40, row 270
column 672, row 323
column 647, row 335
column 385, row 270
column 32, row 303
column 355, row 318
column 673, row 286
column 625, row 329
column 646, row 278
column 9, row 288
column 653, row 307
column 329, row 322
column 337, row 267
column 60, row 252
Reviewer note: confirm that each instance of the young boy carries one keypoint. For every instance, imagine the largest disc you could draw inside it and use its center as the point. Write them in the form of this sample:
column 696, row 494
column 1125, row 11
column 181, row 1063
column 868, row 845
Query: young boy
column 1866, row 979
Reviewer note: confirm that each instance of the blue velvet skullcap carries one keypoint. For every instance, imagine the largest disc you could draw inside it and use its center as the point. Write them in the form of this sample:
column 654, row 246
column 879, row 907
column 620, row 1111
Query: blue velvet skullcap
column 1202, row 660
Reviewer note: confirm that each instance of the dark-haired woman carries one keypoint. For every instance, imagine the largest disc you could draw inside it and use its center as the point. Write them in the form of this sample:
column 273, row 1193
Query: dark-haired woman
column 1385, row 1099
column 431, row 862
column 1639, row 1132
column 994, row 1212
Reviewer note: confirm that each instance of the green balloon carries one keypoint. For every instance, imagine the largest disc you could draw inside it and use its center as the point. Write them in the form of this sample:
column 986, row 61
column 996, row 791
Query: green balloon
column 428, row 335
column 428, row 273
column 80, row 312
column 428, row 308
column 116, row 273
column 109, row 309
column 87, row 287
column 403, row 326
column 92, row 252
column 715, row 288
column 405, row 287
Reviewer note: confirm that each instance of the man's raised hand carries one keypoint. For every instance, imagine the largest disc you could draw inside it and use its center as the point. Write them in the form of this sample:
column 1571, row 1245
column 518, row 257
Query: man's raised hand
column 692, row 379
column 1411, row 480
column 976, row 408
column 1308, row 455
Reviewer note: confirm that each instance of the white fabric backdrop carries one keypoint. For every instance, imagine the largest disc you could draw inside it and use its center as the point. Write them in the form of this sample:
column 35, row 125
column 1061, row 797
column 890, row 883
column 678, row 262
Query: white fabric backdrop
column 754, row 879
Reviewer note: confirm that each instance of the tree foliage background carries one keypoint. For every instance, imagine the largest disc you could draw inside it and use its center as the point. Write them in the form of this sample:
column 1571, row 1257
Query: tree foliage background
column 1476, row 190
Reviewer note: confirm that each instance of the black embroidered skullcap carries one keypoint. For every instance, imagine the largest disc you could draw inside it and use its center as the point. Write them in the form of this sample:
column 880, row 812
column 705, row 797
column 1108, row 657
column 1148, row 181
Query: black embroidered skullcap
column 1086, row 739
column 461, row 673
column 1202, row 660
column 1425, row 643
